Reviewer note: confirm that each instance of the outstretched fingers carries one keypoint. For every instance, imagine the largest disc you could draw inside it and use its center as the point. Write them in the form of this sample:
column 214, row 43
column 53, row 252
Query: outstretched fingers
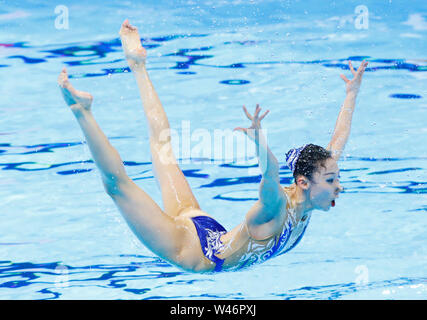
column 244, row 130
column 357, row 74
column 256, row 113
column 263, row 116
column 251, row 132
column 344, row 78
column 362, row 68
column 247, row 113
column 351, row 68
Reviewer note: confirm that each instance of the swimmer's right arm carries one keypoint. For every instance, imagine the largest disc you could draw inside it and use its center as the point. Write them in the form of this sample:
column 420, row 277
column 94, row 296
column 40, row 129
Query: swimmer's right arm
column 270, row 193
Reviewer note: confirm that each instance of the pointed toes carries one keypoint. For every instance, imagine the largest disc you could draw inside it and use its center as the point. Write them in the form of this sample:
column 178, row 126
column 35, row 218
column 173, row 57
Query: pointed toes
column 127, row 27
column 63, row 78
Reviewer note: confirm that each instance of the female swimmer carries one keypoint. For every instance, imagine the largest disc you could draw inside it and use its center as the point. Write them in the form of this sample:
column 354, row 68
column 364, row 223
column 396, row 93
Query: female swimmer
column 182, row 233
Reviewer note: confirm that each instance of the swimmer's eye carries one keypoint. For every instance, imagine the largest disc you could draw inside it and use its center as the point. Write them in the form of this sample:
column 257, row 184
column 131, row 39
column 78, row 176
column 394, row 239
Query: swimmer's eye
column 331, row 180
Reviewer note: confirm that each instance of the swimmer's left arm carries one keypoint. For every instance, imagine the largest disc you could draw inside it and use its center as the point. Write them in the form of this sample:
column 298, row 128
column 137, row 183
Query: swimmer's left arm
column 343, row 124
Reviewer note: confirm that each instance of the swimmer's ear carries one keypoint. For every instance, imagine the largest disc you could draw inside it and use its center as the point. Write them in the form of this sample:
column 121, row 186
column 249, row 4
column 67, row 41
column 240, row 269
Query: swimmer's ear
column 303, row 182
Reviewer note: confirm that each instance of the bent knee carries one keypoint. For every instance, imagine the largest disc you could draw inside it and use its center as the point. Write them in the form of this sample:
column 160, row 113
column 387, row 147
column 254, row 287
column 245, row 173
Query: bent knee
column 110, row 187
column 113, row 185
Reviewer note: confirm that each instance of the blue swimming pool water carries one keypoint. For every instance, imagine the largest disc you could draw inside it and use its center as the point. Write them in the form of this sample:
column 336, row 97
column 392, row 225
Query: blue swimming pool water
column 61, row 237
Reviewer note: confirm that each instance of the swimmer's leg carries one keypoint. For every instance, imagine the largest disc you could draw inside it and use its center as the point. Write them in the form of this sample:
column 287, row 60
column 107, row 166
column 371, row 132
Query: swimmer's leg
column 153, row 227
column 176, row 192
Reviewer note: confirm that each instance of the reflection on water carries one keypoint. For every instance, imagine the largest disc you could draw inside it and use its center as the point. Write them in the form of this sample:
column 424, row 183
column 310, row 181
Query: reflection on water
column 51, row 280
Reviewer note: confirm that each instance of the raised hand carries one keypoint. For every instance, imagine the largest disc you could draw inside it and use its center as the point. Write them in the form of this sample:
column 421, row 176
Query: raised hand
column 353, row 85
column 256, row 122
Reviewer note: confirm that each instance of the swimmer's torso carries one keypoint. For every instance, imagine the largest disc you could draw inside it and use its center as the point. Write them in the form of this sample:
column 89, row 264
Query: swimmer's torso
column 248, row 251
column 239, row 250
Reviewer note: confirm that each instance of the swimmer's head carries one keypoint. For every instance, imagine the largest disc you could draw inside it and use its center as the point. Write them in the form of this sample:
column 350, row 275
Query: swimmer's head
column 316, row 172
column 306, row 159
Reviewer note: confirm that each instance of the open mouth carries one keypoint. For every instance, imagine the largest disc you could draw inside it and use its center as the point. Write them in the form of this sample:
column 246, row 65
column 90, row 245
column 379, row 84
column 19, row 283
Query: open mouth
column 333, row 203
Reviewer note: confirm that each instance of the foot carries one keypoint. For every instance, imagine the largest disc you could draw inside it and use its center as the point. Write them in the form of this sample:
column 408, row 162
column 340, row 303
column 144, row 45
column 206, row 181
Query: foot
column 132, row 47
column 74, row 98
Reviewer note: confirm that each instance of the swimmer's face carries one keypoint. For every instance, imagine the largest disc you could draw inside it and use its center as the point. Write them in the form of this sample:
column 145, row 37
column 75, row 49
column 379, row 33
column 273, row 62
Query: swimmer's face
column 324, row 187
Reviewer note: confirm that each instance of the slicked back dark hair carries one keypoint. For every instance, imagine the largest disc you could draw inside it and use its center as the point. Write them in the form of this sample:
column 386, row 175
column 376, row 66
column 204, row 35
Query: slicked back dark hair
column 311, row 157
